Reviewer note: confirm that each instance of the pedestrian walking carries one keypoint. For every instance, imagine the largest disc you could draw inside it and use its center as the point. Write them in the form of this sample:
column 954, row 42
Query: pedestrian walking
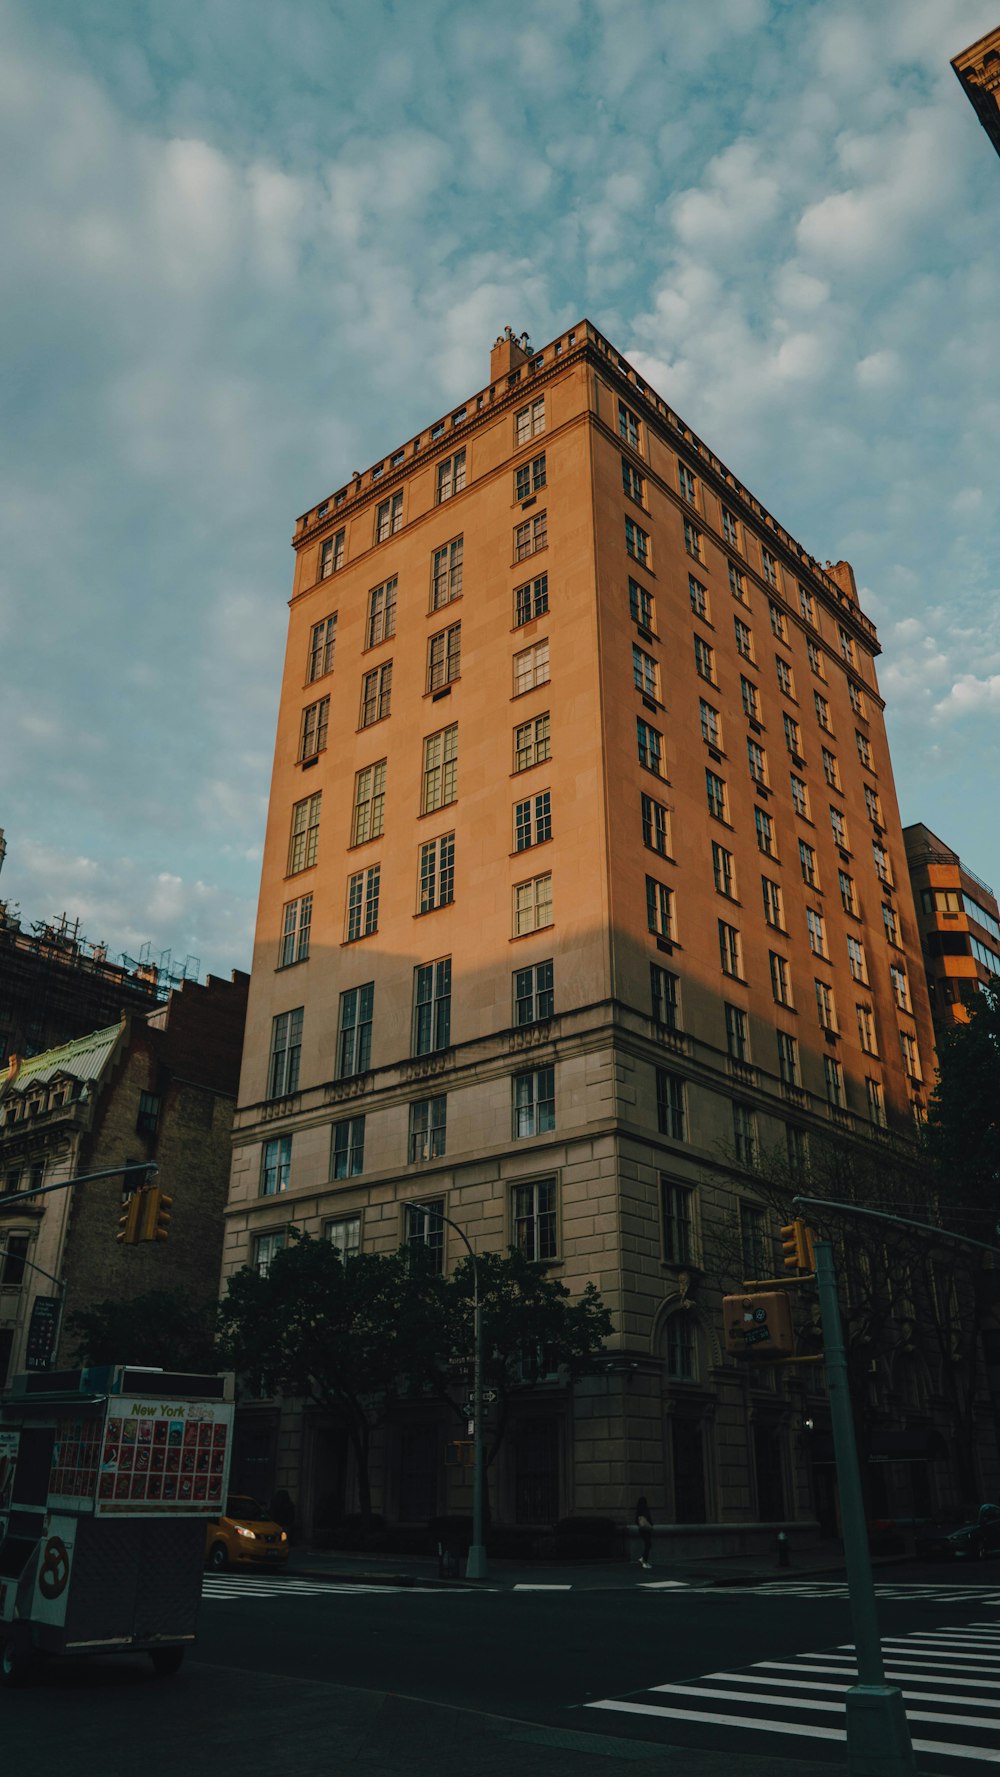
column 644, row 1525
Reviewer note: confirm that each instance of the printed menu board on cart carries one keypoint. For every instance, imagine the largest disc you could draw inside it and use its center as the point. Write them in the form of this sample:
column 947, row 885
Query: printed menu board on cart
column 163, row 1458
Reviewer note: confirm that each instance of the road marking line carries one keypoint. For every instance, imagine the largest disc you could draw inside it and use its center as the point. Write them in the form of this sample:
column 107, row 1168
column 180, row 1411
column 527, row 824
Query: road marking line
column 663, row 1585
column 559, row 1587
column 803, row 1684
column 979, row 1684
column 811, row 1730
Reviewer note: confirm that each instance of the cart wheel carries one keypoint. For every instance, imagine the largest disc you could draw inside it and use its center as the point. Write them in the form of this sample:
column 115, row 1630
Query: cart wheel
column 166, row 1660
column 218, row 1557
column 18, row 1664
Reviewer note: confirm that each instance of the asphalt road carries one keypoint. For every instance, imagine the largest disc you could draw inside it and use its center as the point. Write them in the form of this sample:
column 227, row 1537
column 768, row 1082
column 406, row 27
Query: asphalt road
column 304, row 1677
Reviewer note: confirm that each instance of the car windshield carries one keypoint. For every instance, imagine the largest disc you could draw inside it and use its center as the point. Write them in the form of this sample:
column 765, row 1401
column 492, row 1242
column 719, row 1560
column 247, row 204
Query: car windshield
column 241, row 1505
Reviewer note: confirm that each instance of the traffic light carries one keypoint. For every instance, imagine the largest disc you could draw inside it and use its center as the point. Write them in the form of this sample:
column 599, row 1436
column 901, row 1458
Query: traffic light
column 155, row 1214
column 130, row 1218
column 758, row 1326
column 797, row 1246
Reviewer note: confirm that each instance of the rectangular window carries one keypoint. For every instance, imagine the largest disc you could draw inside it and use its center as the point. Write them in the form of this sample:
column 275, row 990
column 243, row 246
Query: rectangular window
column 381, row 613
column 807, row 864
column 788, row 1059
column 738, row 583
column 781, row 979
column 769, row 568
column 764, row 829
column 650, row 746
column 663, row 995
column 432, row 1007
column 833, row 1075
column 633, row 483
column 451, row 476
column 529, row 421
column 817, row 932
column 532, row 821
column 815, row 659
column 744, row 639
column 312, row 732
column 331, row 555
column 723, row 871
column 655, row 830
column 423, row 1233
column 444, row 657
column 890, row 922
column 876, row 1102
column 831, row 769
column 730, row 950
column 715, row 790
column 873, row 806
column 304, row 836
column 344, row 1234
column 857, row 698
column 777, row 622
column 362, row 903
column 822, row 710
column 694, row 542
column 531, row 667
column 640, row 604
column 704, row 660
column 737, row 1033
column 533, row 993
column 806, row 603
column 686, row 482
column 711, row 727
column 864, row 749
column 437, row 873
column 636, row 543
column 286, row 1050
column 658, row 908
column 439, row 784
column 275, row 1166
column 670, row 1109
column 533, row 1218
column 376, row 694
column 785, row 680
column 911, row 1054
column 677, row 1209
column 866, row 1029
column 529, row 478
column 731, row 528
column 750, row 699
column 745, row 1136
column 322, row 647
column 883, row 868
column 347, row 1148
column 388, row 518
column 774, row 911
column 757, row 761
column 533, row 1106
column 532, row 904
column 531, row 536
column 755, row 1251
column 369, row 803
column 628, row 426
column 446, row 573
column 354, row 1031
column 531, row 600
column 296, row 925
column 793, row 740
column 264, row 1248
column 800, row 796
column 645, row 672
column 698, row 594
column 848, row 893
column 825, row 1008
column 900, row 987
column 428, row 1128
column 846, row 646
column 838, row 827
column 857, row 960
column 532, row 745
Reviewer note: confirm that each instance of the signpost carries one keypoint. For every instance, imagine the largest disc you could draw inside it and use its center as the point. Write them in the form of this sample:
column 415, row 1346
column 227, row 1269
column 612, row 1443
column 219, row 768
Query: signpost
column 43, row 1332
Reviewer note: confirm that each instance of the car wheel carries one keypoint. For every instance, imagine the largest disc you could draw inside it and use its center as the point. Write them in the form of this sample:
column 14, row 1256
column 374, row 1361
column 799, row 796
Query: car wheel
column 166, row 1660
column 18, row 1665
column 218, row 1557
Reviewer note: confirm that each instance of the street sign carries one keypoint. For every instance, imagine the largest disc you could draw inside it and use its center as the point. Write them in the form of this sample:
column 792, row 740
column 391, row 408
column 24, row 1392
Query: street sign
column 43, row 1329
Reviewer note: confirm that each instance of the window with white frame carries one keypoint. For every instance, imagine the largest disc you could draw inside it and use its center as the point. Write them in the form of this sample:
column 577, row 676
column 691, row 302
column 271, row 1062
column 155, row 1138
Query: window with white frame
column 737, row 1033
column 831, row 769
column 777, row 622
column 659, row 908
column 451, row 476
column 664, row 997
column 687, row 484
column 436, row 887
column 774, row 907
column 439, row 780
column 312, row 732
column 856, row 958
column 730, row 950
column 857, row 698
column 806, row 604
column 757, row 761
column 731, row 528
column 911, row 1054
column 331, row 555
column 286, row 1050
column 838, row 826
column 744, row 639
column 322, row 647
column 800, row 796
column 628, row 426
column 671, row 1116
column 677, row 1208
column 807, row 864
column 655, row 825
column 424, row 1233
column 694, row 542
column 711, row 723
column 786, row 682
column 817, row 932
column 846, row 645
column 769, row 568
column 633, row 483
column 529, row 478
column 744, row 1135
column 650, row 745
column 533, row 1218
column 645, row 672
column 750, row 698
column 793, row 739
column 533, row 1102
column 367, row 821
column 788, row 1058
column 529, row 421
column 531, row 667
column 900, row 987
column 890, row 922
column 833, row 1077
column 864, row 749
column 723, row 871
column 883, row 868
column 681, row 1351
column 531, row 600
column 698, row 595
column 347, row 1148
column 296, row 925
column 531, row 536
column 532, row 904
column 738, row 583
column 815, row 659
column 873, row 806
column 444, row 657
column 376, row 694
column 533, row 993
column 446, row 573
column 704, row 659
column 275, row 1166
column 345, row 1234
column 876, row 1101
column 388, row 517
column 532, row 742
column 764, row 830
column 781, row 979
column 264, row 1248
column 428, row 1128
column 533, row 821
column 715, row 790
column 755, row 1245
column 363, row 890
column 381, row 613
column 354, row 1031
column 822, row 710
column 866, row 1029
column 432, row 1006
column 826, row 1009
column 640, row 604
column 848, row 893
column 636, row 542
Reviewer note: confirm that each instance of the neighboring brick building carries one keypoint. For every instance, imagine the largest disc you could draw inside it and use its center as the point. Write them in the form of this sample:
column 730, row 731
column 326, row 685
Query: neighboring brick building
column 959, row 924
column 583, row 883
column 978, row 69
column 160, row 1087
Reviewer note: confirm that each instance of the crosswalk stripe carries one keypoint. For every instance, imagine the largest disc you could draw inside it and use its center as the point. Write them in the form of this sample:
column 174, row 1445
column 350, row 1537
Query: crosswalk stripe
column 731, row 1721
column 979, row 1684
column 804, row 1684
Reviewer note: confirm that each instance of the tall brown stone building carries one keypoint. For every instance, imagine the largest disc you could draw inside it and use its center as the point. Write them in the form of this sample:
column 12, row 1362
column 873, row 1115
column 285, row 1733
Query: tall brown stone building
column 978, row 69
column 583, row 884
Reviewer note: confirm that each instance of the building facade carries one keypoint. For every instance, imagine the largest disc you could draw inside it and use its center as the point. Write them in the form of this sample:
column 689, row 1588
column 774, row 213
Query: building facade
column 583, row 886
column 959, row 925
column 978, row 69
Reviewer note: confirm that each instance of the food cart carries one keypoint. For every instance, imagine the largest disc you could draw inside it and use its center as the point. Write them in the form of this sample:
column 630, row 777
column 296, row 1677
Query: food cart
column 107, row 1477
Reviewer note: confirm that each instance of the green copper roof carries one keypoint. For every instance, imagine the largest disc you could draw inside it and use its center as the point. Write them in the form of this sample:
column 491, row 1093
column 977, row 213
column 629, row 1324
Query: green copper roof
column 84, row 1059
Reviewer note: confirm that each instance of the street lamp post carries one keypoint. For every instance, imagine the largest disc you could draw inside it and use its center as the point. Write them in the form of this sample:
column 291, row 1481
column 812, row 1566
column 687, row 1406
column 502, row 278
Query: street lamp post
column 475, row 1567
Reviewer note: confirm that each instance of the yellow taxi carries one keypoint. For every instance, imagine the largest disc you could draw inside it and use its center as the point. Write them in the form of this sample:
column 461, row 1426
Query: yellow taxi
column 244, row 1536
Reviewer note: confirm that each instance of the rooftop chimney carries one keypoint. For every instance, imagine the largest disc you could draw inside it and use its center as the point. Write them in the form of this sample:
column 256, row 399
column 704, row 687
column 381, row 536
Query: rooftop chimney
column 508, row 353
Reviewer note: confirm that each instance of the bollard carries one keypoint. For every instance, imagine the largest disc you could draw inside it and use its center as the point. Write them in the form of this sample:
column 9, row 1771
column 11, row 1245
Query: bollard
column 784, row 1553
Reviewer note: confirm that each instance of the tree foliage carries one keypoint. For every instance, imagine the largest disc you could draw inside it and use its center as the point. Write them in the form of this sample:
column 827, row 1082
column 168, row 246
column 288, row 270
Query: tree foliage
column 963, row 1122
column 161, row 1327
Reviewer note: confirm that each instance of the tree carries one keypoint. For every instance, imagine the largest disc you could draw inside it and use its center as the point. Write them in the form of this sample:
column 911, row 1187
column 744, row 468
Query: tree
column 963, row 1122
column 161, row 1328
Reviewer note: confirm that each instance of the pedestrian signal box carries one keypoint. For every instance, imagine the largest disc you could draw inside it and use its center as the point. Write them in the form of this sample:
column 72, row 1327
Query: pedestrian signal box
column 458, row 1453
column 758, row 1326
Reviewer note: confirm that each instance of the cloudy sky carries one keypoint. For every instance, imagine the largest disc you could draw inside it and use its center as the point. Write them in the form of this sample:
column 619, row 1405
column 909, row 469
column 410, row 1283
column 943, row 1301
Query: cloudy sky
column 250, row 245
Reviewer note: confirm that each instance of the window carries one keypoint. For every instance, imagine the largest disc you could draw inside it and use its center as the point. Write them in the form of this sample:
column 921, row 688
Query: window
column 636, row 543
column 532, row 742
column 764, row 829
column 723, row 870
column 264, row 1248
column 428, row 1128
column 711, row 727
column 531, row 667
column 663, row 994
column 432, row 1007
column 628, row 425
column 440, row 772
column 857, row 960
column 533, row 993
column 655, row 831
column 857, row 698
column 797, row 1149
column 529, row 478
column 286, row 1049
column 444, row 657
column 529, row 421
column 362, row 903
column 534, row 1102
column 376, row 694
column 698, row 595
column 825, row 1007
column 777, row 623
column 344, row 1234
column 883, row 868
column 533, row 1215
column 369, row 803
column 737, row 583
column 788, row 1059
column 848, row 893
column 388, row 518
column 769, row 568
column 750, row 698
column 873, row 806
column 532, row 821
column 806, row 604
column 677, row 1207
column 831, row 769
column 645, row 672
column 785, row 680
column 446, row 573
column 900, row 987
column 146, row 1122
column 304, row 834
column 744, row 640
column 312, row 734
column 670, row 1110
column 864, row 750
column 807, row 864
column 744, row 1135
column 451, row 475
column 833, row 1075
column 755, row 1251
column 347, row 1148
column 694, row 543
column 640, row 604
column 866, row 1029
column 650, row 744
column 911, row 1054
column 822, row 710
column 774, row 910
column 275, row 1165
column 876, row 1101
column 757, row 761
column 716, row 791
column 531, row 536
column 659, row 900
column 737, row 1033
column 817, row 932
column 633, row 483
column 354, row 1033
column 381, row 613
column 295, row 928
column 781, row 979
column 704, row 660
column 890, row 922
column 682, row 1367
column 322, row 646
column 800, row 796
column 846, row 646
column 731, row 528
column 331, row 555
column 437, row 873
column 531, row 600
column 423, row 1233
column 792, row 739
column 838, row 827
column 815, row 659
column 532, row 904
column 730, row 950
column 686, row 482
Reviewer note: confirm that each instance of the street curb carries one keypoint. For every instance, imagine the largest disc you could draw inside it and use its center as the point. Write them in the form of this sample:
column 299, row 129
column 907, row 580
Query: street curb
column 802, row 1573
